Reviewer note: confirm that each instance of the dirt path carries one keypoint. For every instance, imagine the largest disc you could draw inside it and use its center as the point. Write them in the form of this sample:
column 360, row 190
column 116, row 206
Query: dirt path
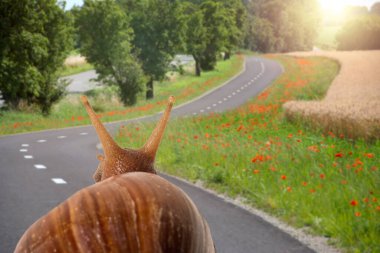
column 352, row 103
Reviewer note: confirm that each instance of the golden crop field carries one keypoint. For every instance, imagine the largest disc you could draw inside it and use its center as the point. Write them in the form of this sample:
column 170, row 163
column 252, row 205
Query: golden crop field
column 75, row 60
column 352, row 104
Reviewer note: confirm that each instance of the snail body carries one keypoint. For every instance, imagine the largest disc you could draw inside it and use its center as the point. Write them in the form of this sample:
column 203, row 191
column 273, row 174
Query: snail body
column 129, row 209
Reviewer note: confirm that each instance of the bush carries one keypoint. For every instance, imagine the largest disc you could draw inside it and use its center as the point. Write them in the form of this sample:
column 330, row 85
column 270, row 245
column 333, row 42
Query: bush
column 361, row 33
column 35, row 37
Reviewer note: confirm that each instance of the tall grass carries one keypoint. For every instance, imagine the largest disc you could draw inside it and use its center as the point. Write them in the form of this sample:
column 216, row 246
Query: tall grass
column 319, row 181
column 70, row 112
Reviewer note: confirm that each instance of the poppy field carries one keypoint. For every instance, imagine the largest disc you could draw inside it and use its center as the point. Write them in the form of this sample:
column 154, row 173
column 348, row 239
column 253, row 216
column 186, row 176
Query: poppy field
column 321, row 181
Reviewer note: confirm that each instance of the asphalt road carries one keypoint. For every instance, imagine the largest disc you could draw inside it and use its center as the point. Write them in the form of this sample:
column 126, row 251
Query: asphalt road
column 39, row 170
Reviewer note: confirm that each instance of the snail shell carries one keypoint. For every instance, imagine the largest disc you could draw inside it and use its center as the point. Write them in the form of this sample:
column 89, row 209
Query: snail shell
column 135, row 212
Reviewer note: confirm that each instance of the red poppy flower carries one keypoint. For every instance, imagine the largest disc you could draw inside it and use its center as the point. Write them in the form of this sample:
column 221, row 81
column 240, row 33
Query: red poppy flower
column 354, row 202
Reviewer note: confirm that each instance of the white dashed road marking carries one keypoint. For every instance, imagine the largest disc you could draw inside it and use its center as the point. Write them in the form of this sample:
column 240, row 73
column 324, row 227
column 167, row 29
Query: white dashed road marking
column 28, row 156
column 59, row 181
column 24, row 145
column 23, row 150
column 84, row 133
column 61, row 137
column 40, row 167
column 41, row 141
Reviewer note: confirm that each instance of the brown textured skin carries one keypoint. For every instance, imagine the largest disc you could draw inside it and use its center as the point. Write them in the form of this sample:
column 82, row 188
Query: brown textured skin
column 117, row 160
column 135, row 212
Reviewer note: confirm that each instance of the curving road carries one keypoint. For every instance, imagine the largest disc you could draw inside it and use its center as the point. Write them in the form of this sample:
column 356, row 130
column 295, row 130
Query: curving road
column 39, row 170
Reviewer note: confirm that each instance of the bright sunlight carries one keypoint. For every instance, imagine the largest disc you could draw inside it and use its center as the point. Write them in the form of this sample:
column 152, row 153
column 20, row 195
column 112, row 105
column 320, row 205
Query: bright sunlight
column 333, row 8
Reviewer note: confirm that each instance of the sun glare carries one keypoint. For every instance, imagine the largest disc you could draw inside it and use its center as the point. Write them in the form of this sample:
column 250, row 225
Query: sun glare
column 333, row 7
column 333, row 10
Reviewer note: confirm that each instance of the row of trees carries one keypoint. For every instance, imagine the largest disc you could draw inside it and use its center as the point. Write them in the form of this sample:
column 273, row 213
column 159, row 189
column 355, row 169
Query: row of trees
column 361, row 30
column 131, row 42
column 147, row 34
column 282, row 26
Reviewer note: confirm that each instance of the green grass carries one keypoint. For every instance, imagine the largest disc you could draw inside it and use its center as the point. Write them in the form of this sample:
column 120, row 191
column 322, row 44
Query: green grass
column 70, row 112
column 71, row 70
column 327, row 37
column 320, row 181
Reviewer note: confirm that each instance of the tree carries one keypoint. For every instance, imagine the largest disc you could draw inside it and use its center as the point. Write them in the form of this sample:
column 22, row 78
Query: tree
column 294, row 22
column 195, row 34
column 159, row 30
column 236, row 25
column 361, row 33
column 355, row 11
column 375, row 9
column 216, row 22
column 260, row 37
column 35, row 37
column 105, row 35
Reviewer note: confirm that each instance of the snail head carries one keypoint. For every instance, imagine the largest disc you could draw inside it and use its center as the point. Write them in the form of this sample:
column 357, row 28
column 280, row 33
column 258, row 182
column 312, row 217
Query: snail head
column 117, row 160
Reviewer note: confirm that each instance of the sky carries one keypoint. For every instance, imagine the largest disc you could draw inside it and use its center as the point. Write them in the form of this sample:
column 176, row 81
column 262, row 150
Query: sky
column 71, row 3
column 367, row 3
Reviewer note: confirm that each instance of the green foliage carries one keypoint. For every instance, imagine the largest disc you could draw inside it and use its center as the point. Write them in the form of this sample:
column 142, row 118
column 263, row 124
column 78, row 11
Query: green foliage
column 216, row 22
column 35, row 37
column 260, row 38
column 105, row 35
column 236, row 25
column 293, row 25
column 362, row 33
column 213, row 27
column 158, row 27
column 195, row 33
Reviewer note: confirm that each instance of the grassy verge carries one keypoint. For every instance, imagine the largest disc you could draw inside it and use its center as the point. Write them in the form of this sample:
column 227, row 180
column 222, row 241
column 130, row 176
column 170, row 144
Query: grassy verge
column 70, row 112
column 309, row 179
column 75, row 69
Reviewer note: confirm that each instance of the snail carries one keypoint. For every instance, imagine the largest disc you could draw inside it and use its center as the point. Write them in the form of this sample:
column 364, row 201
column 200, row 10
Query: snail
column 129, row 209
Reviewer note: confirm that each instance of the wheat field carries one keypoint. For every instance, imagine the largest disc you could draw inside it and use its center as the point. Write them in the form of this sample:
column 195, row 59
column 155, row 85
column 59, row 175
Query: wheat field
column 75, row 60
column 351, row 106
